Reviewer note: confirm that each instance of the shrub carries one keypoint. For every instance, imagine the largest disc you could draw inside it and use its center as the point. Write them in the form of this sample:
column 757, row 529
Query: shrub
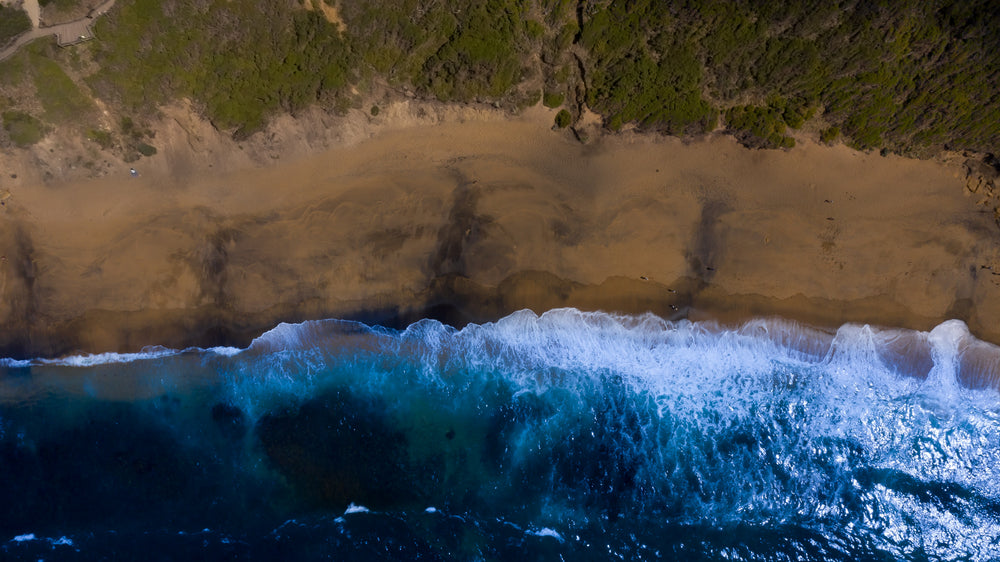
column 759, row 127
column 23, row 129
column 240, row 60
column 553, row 99
column 61, row 4
column 62, row 99
column 534, row 29
column 13, row 22
column 829, row 134
column 101, row 137
column 563, row 119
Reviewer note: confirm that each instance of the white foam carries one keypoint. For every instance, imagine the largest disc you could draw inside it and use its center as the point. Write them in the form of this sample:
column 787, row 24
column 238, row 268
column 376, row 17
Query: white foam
column 225, row 351
column 24, row 538
column 945, row 340
column 305, row 335
column 91, row 360
column 547, row 532
column 810, row 402
column 14, row 363
column 289, row 362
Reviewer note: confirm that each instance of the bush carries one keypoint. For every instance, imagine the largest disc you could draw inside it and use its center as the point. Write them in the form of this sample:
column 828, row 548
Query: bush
column 759, row 127
column 563, row 119
column 240, row 60
column 101, row 137
column 13, row 22
column 63, row 101
column 534, row 29
column 829, row 134
column 23, row 129
column 908, row 75
column 630, row 81
column 145, row 149
column 60, row 4
column 553, row 99
column 481, row 57
column 375, row 111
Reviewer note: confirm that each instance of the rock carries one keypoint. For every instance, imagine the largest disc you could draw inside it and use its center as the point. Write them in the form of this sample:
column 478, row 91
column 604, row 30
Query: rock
column 972, row 183
column 985, row 168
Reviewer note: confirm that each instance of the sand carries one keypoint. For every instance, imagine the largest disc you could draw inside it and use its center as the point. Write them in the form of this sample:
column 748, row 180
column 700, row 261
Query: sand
column 472, row 219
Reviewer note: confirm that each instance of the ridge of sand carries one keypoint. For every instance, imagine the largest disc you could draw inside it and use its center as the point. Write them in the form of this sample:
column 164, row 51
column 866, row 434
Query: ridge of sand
column 475, row 217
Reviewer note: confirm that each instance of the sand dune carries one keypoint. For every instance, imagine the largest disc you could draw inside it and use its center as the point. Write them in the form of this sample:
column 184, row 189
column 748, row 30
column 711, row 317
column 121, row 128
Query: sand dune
column 471, row 220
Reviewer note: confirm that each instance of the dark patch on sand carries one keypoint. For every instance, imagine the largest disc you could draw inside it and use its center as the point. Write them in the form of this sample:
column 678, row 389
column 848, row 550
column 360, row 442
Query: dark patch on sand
column 20, row 291
column 463, row 227
column 566, row 233
column 24, row 267
column 961, row 308
column 384, row 243
column 210, row 264
column 705, row 241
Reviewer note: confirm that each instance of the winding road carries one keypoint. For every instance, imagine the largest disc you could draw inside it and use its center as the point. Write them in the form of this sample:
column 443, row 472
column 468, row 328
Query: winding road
column 66, row 33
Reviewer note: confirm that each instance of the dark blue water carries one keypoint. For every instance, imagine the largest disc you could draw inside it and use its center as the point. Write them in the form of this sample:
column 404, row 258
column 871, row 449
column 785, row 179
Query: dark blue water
column 584, row 436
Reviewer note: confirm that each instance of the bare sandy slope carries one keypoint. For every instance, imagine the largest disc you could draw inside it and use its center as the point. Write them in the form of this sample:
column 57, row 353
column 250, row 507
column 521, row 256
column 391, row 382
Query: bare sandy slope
column 471, row 220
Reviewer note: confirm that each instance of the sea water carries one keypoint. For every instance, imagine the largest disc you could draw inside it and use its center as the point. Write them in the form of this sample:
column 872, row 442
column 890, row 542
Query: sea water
column 570, row 435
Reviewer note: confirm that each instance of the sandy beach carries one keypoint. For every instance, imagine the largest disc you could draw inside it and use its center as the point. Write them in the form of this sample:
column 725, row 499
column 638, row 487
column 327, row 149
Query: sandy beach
column 470, row 220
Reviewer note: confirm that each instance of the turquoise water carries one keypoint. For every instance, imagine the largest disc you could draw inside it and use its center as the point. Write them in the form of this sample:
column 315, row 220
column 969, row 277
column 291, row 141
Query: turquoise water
column 582, row 435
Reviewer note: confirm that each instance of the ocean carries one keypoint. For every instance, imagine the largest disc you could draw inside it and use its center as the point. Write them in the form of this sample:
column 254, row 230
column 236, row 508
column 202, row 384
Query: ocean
column 566, row 436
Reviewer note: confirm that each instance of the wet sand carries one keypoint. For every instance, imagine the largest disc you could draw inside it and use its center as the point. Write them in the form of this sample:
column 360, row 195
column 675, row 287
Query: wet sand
column 470, row 221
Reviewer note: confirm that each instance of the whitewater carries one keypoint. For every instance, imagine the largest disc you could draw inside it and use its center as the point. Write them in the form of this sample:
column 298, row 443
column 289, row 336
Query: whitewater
column 581, row 435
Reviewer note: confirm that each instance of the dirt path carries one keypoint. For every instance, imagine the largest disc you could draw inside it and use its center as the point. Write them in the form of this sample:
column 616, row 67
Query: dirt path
column 34, row 12
column 67, row 33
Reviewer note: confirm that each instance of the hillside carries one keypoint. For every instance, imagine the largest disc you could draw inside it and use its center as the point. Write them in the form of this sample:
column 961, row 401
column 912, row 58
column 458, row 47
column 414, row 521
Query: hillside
column 905, row 77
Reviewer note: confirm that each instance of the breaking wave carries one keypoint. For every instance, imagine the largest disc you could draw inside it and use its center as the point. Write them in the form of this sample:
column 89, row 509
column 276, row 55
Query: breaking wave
column 571, row 433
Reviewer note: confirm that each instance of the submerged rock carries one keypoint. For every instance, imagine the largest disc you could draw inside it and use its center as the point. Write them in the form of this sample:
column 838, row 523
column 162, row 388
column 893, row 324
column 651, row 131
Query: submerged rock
column 338, row 449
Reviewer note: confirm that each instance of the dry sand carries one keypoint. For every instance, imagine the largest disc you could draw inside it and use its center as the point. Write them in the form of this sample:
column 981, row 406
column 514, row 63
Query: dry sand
column 468, row 221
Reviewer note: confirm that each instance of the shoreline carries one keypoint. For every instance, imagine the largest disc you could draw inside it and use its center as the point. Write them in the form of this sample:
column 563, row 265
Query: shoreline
column 473, row 218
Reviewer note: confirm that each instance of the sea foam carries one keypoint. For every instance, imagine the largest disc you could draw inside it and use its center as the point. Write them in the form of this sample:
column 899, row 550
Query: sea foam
column 829, row 443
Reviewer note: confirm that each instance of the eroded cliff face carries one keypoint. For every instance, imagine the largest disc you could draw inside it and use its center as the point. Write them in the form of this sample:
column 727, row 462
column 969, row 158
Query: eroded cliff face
column 981, row 173
column 186, row 144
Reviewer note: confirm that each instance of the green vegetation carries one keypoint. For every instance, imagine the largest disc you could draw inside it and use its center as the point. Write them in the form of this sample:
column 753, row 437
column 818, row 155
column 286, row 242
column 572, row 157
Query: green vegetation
column 103, row 138
column 13, row 22
column 37, row 70
column 553, row 99
column 563, row 119
column 764, row 127
column 829, row 135
column 242, row 60
column 531, row 99
column 910, row 76
column 760, row 127
column 12, row 70
column 60, row 4
column 23, row 129
column 460, row 50
column 61, row 98
column 642, row 71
